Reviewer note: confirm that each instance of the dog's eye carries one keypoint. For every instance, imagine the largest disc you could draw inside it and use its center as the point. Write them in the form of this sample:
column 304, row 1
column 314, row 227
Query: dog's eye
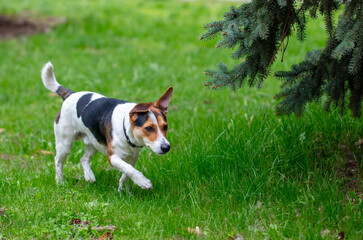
column 165, row 127
column 150, row 129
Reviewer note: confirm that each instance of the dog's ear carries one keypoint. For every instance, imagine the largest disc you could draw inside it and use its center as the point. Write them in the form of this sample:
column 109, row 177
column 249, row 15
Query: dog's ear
column 140, row 108
column 164, row 101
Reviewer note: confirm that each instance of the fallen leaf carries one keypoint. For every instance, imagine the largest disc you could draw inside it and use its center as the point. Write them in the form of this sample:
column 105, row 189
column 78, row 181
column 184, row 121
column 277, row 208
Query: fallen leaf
column 341, row 235
column 195, row 231
column 325, row 232
column 77, row 221
column 251, row 119
column 84, row 224
column 106, row 235
column 45, row 152
column 235, row 237
column 358, row 144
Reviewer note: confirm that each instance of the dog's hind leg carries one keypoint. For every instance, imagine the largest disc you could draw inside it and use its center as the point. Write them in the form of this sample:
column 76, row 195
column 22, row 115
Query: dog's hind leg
column 63, row 148
column 85, row 160
column 63, row 139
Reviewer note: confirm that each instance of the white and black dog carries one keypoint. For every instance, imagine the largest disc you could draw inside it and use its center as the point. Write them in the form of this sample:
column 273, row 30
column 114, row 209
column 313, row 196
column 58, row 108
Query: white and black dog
column 117, row 128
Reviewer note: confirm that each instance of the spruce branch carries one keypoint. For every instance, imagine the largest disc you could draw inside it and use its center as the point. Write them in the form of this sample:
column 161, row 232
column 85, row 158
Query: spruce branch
column 213, row 25
column 209, row 34
column 222, row 84
column 284, row 34
column 213, row 75
column 260, row 29
column 222, row 44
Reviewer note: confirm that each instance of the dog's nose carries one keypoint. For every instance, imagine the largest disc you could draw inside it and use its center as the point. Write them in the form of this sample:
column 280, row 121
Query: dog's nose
column 165, row 148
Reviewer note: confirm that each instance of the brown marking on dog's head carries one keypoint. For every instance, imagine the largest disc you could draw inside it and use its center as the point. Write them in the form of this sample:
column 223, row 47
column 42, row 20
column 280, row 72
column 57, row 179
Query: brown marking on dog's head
column 141, row 107
column 148, row 131
column 161, row 119
column 149, row 123
column 163, row 102
column 141, row 123
column 57, row 117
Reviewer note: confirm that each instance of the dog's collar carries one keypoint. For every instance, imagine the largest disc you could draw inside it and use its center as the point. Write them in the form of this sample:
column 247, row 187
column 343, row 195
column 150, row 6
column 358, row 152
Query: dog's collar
column 128, row 139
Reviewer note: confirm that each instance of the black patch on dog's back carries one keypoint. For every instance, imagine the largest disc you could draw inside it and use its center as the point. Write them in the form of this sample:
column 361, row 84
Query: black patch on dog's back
column 96, row 116
column 141, row 119
column 82, row 103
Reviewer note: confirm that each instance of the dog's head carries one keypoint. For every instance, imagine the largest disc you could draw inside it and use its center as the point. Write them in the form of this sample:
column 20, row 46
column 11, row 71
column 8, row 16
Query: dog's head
column 148, row 121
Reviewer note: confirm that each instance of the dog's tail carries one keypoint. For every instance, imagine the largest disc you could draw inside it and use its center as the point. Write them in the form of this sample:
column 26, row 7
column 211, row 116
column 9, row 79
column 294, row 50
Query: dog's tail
column 51, row 83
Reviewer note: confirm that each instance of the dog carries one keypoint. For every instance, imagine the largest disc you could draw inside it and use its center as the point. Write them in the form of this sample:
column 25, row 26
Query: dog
column 117, row 128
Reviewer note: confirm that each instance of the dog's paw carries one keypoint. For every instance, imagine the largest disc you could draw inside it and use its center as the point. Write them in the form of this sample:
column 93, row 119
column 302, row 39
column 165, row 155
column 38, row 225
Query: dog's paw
column 92, row 180
column 140, row 180
column 59, row 180
column 90, row 177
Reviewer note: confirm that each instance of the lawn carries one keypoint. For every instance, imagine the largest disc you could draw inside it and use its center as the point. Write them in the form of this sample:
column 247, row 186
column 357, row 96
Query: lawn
column 235, row 170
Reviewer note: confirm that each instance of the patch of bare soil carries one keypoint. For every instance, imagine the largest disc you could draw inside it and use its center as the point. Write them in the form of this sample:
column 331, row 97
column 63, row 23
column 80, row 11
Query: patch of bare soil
column 349, row 170
column 15, row 26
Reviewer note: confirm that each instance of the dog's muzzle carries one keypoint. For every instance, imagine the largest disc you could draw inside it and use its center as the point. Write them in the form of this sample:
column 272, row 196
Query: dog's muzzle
column 165, row 148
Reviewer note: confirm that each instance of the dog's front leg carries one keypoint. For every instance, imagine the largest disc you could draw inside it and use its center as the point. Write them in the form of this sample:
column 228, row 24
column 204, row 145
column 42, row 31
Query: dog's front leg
column 136, row 176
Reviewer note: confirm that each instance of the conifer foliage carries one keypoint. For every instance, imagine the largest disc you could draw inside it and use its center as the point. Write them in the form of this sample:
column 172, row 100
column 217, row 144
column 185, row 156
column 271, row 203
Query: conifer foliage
column 258, row 30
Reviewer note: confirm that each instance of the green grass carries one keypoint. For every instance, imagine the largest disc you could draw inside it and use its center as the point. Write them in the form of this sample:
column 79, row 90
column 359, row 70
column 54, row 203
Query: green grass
column 235, row 168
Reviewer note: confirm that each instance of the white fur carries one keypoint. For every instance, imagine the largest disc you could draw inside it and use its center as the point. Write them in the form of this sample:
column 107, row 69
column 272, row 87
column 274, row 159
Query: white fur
column 48, row 77
column 156, row 145
column 70, row 128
